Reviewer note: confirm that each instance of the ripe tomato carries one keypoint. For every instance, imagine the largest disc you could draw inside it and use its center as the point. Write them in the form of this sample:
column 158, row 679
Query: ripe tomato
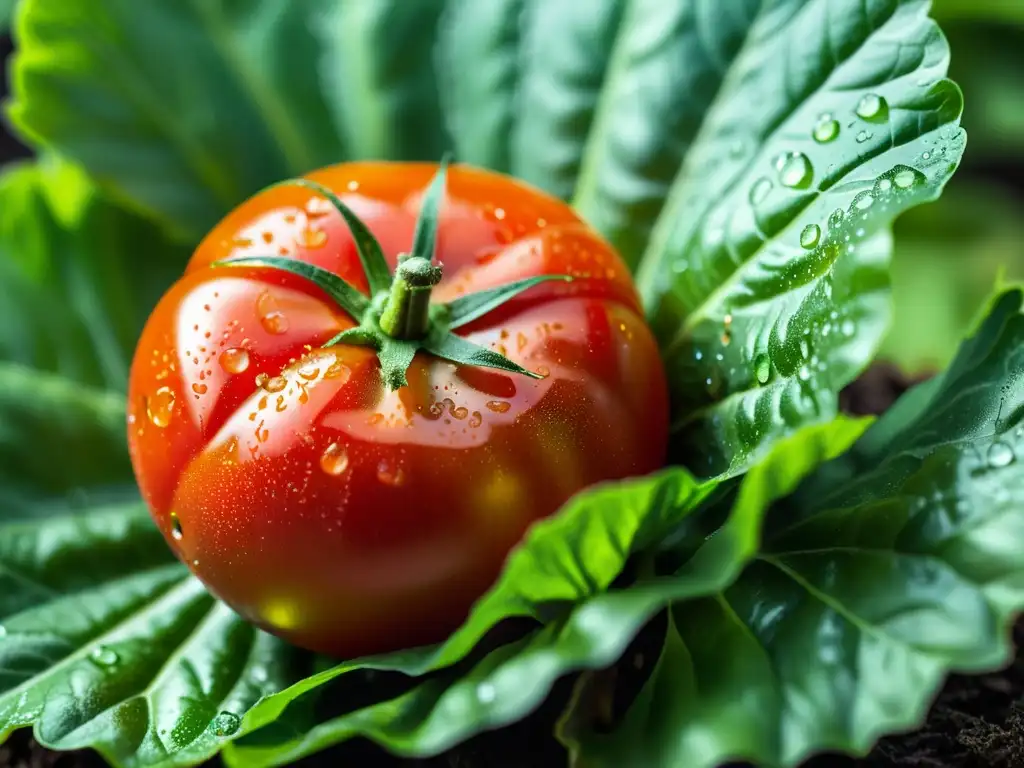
column 339, row 514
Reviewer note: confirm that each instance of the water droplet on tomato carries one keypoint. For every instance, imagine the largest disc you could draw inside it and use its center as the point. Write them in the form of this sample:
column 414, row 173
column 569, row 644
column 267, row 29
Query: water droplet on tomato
column 275, row 384
column 476, row 419
column 271, row 317
column 103, row 657
column 390, row 473
column 177, row 532
column 337, row 370
column 334, row 460
column 160, row 407
column 317, row 207
column 234, row 360
column 226, row 724
column 200, row 389
column 309, row 371
column 312, row 238
column 499, row 406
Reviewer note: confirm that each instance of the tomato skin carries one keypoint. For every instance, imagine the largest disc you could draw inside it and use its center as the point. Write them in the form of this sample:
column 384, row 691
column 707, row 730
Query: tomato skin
column 344, row 517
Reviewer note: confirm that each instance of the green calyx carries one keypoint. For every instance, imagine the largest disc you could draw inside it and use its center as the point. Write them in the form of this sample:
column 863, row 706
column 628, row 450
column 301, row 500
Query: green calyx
column 398, row 318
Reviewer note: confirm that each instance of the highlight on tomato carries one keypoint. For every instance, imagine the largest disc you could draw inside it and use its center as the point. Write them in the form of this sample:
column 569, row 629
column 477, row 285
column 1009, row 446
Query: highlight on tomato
column 370, row 382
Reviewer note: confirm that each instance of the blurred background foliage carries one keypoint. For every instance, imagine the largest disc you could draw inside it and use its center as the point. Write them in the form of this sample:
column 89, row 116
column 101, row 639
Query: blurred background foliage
column 950, row 253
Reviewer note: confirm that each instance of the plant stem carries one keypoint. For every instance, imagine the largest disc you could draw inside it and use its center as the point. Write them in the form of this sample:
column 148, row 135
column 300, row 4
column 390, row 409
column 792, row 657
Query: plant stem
column 407, row 314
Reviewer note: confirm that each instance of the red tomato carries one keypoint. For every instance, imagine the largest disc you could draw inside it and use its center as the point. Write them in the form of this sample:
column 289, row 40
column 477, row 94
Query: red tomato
column 340, row 515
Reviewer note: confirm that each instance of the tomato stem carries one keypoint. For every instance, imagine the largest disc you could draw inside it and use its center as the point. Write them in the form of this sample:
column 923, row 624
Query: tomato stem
column 407, row 313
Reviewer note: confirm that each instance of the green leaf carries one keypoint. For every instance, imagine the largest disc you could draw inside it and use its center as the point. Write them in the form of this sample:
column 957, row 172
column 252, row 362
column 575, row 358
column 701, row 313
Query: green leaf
column 375, row 267
column 892, row 566
column 461, row 351
column 560, row 577
column 105, row 640
column 74, row 292
column 344, row 295
column 472, row 306
column 378, row 68
column 6, row 14
column 424, row 240
column 184, row 109
column 764, row 278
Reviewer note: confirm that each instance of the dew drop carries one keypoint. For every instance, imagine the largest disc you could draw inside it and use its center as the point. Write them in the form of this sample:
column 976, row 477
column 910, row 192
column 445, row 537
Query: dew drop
column 309, row 371
column 312, row 238
column 810, row 236
column 804, row 373
column 1000, row 455
column 337, row 370
column 872, row 108
column 177, row 532
column 794, row 169
column 476, row 419
column 317, row 207
column 499, row 406
column 805, row 349
column 234, row 360
column 390, row 473
column 863, row 136
column 835, row 219
column 334, row 460
column 762, row 368
column 905, row 179
column 848, row 328
column 200, row 389
column 485, row 693
column 863, row 201
column 826, row 129
column 160, row 407
column 882, row 186
column 226, row 724
column 760, row 190
column 275, row 384
column 271, row 317
column 103, row 657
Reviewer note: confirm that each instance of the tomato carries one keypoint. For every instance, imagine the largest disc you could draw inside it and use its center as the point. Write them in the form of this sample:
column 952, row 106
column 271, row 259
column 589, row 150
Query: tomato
column 333, row 511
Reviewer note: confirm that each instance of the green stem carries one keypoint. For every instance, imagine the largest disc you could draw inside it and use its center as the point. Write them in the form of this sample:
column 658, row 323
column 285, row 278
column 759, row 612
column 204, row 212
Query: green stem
column 407, row 314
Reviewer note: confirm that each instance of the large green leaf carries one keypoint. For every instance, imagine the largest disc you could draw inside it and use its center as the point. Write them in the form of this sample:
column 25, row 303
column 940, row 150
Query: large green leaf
column 183, row 107
column 892, row 566
column 762, row 278
column 560, row 578
column 78, row 276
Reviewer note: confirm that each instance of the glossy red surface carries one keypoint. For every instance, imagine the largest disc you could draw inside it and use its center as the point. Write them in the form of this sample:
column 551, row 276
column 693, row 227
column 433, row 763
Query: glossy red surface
column 347, row 518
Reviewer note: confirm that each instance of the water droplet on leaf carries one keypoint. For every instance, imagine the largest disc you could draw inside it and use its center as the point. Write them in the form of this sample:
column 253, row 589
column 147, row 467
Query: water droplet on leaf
column 485, row 693
column 794, row 169
column 103, row 657
column 863, row 136
column 872, row 108
column 762, row 368
column 905, row 178
column 760, row 190
column 826, row 129
column 810, row 236
column 1000, row 455
column 835, row 219
column 863, row 201
column 226, row 724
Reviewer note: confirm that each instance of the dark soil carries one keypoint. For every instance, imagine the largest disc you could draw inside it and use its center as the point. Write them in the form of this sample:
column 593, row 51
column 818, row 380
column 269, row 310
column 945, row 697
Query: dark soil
column 976, row 722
